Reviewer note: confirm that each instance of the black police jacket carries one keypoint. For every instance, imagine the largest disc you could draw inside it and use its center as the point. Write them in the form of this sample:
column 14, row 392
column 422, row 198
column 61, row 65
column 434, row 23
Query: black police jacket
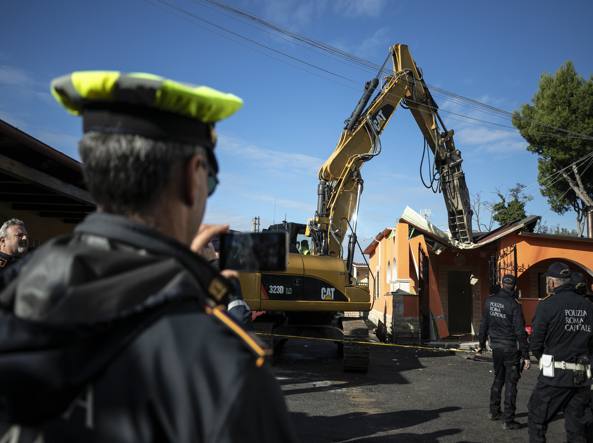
column 108, row 335
column 502, row 323
column 6, row 260
column 563, row 327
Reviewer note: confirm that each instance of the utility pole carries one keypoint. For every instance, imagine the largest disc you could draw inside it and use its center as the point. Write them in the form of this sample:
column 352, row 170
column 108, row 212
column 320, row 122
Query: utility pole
column 590, row 222
column 256, row 224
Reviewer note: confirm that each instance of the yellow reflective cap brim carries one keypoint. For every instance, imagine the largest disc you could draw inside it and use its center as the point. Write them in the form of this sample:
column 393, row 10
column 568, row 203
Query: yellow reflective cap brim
column 91, row 88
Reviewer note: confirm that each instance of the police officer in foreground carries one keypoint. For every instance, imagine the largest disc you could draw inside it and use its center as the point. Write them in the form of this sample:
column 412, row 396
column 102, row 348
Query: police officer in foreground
column 562, row 340
column 504, row 327
column 116, row 332
column 580, row 287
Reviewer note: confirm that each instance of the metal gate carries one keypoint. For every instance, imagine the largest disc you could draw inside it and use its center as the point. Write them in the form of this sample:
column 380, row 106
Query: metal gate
column 501, row 263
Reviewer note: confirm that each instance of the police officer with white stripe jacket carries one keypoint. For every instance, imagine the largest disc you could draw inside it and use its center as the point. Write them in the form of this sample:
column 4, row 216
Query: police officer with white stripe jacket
column 562, row 340
column 503, row 325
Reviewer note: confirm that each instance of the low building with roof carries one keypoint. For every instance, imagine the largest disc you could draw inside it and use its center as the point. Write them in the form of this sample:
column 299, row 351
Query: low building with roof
column 40, row 185
column 429, row 286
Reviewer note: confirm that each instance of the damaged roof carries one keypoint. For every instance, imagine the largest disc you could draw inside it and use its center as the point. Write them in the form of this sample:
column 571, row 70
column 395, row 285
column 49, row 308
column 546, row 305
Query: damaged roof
column 422, row 225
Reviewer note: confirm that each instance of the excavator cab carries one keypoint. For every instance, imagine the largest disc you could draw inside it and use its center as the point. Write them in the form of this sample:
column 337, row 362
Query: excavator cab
column 296, row 233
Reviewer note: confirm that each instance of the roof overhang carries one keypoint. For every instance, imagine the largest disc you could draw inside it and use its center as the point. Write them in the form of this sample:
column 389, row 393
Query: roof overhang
column 36, row 177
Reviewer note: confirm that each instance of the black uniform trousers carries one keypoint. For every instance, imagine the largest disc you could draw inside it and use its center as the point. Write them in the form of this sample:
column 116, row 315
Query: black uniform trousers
column 506, row 373
column 546, row 401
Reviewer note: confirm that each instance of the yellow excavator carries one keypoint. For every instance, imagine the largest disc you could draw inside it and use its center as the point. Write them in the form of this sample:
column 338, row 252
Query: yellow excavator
column 317, row 294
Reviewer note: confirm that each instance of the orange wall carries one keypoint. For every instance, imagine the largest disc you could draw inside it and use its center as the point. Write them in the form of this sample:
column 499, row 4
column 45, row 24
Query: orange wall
column 402, row 251
column 534, row 255
column 531, row 250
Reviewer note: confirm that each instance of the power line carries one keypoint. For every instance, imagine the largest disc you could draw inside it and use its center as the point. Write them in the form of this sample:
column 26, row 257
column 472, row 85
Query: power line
column 368, row 64
column 558, row 174
column 293, row 35
column 296, row 59
column 582, row 173
column 570, row 165
column 451, row 96
column 255, row 42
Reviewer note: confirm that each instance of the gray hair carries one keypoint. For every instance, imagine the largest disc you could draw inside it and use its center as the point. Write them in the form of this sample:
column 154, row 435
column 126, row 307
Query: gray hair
column 7, row 224
column 128, row 173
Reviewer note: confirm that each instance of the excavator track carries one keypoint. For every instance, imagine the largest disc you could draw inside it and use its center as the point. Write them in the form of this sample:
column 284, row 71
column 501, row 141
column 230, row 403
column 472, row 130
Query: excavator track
column 355, row 354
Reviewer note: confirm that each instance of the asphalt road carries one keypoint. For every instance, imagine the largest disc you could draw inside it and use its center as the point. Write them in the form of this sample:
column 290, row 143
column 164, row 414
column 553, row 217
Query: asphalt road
column 407, row 396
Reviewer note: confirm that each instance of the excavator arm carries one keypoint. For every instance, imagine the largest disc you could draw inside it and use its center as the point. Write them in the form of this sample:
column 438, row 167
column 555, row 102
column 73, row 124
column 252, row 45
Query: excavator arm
column 340, row 181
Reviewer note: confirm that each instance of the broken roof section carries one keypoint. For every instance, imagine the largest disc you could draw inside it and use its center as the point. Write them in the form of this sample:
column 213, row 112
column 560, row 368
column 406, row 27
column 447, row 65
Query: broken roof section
column 421, row 224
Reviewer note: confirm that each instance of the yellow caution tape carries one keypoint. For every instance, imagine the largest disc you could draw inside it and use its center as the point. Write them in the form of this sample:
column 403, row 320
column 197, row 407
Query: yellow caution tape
column 365, row 343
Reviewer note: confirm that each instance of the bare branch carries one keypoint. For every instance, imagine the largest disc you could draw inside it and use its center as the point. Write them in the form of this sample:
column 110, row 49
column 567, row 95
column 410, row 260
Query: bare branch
column 578, row 190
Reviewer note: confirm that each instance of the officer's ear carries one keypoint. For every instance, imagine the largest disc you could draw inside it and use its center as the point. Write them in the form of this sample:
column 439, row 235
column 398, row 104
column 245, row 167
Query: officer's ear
column 549, row 285
column 190, row 180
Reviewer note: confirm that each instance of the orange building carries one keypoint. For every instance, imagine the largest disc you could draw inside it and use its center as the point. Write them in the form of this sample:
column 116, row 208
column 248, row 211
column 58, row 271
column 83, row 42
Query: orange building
column 428, row 286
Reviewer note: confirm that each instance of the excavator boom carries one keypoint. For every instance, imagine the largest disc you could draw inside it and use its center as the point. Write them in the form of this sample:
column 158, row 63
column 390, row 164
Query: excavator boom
column 340, row 181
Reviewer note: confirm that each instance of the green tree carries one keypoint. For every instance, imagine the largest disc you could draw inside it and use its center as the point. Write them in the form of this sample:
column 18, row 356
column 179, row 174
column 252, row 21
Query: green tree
column 553, row 125
column 511, row 206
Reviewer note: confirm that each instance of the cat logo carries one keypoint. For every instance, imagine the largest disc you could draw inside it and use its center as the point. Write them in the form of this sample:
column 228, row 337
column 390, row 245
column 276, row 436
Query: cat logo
column 327, row 293
column 379, row 120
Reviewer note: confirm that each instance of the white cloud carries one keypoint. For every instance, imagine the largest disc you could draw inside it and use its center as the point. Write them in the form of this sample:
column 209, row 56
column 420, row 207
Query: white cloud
column 14, row 76
column 271, row 160
column 392, row 176
column 285, row 203
column 359, row 8
column 297, row 14
column 24, row 83
column 491, row 140
column 481, row 134
column 482, row 137
column 217, row 216
column 381, row 39
column 294, row 14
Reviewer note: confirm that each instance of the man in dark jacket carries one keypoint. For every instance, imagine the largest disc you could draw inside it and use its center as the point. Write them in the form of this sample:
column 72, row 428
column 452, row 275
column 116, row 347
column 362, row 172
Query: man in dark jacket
column 14, row 242
column 116, row 333
column 503, row 325
column 562, row 340
column 579, row 282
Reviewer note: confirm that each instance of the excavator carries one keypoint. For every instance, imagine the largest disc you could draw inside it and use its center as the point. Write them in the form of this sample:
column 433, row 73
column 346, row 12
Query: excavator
column 318, row 292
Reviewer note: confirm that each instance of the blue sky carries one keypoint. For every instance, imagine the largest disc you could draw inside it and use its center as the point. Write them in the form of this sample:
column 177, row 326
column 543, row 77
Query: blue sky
column 271, row 150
